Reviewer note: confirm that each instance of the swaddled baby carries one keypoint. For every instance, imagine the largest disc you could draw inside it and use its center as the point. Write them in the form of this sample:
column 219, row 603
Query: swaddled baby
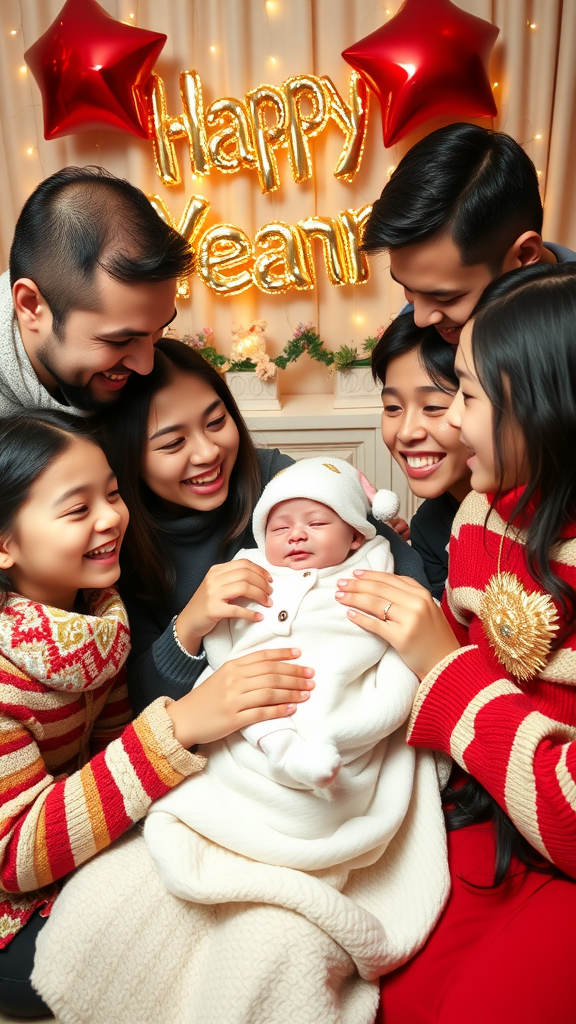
column 331, row 784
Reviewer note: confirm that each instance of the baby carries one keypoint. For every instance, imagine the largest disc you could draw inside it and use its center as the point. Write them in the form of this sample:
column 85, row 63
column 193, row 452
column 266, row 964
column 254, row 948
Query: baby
column 300, row 534
column 331, row 784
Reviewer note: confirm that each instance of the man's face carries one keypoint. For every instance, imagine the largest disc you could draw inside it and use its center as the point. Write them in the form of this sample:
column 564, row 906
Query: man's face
column 99, row 349
column 443, row 291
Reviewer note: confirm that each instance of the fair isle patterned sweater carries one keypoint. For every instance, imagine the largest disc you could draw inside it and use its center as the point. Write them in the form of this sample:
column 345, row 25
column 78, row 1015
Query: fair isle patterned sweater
column 518, row 740
column 73, row 774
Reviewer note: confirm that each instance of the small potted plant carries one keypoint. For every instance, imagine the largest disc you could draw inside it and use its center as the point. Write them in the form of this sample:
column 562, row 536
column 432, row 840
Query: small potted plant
column 353, row 382
column 250, row 374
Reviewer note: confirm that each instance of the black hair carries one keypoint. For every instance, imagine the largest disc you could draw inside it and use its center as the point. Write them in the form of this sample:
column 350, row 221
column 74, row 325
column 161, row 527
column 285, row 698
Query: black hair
column 435, row 356
column 524, row 352
column 30, row 442
column 84, row 218
column 146, row 565
column 476, row 184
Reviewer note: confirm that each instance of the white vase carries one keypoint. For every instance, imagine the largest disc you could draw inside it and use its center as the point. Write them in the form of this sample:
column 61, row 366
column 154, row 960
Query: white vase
column 252, row 393
column 355, row 388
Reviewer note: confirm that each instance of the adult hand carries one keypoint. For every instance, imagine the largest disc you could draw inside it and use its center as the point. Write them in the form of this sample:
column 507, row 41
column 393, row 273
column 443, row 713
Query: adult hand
column 255, row 688
column 402, row 612
column 215, row 599
column 400, row 526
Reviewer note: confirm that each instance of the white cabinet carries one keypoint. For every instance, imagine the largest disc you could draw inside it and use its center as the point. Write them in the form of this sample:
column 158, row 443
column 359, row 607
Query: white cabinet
column 309, row 425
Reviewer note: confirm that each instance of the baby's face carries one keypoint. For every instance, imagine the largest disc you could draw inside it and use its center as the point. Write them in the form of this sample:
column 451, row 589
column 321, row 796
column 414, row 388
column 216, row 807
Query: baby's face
column 304, row 534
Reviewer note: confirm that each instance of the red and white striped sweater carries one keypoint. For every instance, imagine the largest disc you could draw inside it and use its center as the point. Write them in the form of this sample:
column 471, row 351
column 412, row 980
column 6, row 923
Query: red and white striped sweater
column 73, row 774
column 518, row 740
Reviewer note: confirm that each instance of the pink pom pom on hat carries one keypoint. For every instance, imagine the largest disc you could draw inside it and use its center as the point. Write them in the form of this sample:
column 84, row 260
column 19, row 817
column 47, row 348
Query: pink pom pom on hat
column 332, row 482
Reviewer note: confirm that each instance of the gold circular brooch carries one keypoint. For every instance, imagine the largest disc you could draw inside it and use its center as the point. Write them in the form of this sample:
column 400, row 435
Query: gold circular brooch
column 520, row 626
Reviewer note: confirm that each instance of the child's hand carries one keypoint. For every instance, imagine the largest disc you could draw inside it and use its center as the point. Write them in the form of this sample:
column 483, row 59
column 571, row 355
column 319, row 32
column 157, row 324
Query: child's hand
column 215, row 597
column 255, row 688
column 402, row 612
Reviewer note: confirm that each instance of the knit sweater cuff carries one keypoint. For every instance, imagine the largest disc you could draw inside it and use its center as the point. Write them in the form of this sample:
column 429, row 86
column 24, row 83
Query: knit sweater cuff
column 171, row 760
column 443, row 698
column 174, row 663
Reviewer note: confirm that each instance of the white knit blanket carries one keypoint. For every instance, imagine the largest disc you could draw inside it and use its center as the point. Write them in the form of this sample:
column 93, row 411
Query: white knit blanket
column 274, row 945
column 19, row 385
column 360, row 704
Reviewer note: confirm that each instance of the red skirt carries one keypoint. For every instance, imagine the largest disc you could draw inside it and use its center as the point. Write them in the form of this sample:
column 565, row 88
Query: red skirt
column 497, row 956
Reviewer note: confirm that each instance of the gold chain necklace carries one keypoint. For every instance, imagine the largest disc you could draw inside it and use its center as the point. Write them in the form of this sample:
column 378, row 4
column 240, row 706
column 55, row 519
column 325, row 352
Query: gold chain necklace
column 520, row 627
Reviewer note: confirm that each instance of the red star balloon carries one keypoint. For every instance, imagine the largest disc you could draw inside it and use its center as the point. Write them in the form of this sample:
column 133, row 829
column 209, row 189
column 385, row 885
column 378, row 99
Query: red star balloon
column 92, row 71
column 429, row 60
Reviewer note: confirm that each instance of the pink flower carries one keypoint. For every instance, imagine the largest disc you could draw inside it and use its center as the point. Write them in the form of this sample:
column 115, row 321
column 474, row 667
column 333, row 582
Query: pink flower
column 303, row 329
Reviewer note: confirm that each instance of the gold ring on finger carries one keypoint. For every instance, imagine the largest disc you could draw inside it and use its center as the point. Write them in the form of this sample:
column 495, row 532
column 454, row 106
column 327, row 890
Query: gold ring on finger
column 385, row 610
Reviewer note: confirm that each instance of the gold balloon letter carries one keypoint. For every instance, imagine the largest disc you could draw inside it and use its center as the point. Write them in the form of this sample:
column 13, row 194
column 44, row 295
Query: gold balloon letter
column 288, row 254
column 333, row 245
column 224, row 245
column 193, row 107
column 353, row 121
column 301, row 125
column 189, row 225
column 352, row 224
column 267, row 137
column 230, row 148
column 165, row 129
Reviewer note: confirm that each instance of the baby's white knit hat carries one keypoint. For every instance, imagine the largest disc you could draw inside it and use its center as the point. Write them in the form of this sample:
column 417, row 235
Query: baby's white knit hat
column 330, row 481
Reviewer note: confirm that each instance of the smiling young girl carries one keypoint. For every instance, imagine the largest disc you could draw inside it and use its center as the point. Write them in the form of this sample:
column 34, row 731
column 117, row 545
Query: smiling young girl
column 191, row 477
column 416, row 370
column 498, row 671
column 73, row 774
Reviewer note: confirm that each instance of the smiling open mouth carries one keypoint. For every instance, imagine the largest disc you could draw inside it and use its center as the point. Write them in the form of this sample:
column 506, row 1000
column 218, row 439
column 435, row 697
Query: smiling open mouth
column 207, row 478
column 421, row 464
column 450, row 333
column 419, row 461
column 113, row 381
column 104, row 552
column 206, row 483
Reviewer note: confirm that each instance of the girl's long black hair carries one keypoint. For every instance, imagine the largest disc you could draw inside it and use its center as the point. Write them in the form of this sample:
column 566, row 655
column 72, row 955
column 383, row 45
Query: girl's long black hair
column 146, row 566
column 524, row 351
column 30, row 442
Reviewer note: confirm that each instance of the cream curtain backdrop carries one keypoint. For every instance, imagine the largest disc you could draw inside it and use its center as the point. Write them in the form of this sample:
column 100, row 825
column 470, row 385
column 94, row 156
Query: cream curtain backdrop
column 236, row 45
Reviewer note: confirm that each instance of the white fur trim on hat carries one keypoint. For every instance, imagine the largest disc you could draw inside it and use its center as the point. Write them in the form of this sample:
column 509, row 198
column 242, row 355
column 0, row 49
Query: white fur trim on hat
column 330, row 481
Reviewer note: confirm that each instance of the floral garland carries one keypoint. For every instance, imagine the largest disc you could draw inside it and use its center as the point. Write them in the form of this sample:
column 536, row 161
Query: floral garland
column 304, row 339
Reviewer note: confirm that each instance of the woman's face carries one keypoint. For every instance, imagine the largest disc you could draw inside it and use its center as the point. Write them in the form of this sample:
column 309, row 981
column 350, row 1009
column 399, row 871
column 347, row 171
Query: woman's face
column 472, row 414
column 416, row 431
column 68, row 533
column 191, row 447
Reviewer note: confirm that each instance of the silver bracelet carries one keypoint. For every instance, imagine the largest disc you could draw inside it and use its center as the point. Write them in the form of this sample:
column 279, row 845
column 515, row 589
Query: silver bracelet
column 195, row 657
